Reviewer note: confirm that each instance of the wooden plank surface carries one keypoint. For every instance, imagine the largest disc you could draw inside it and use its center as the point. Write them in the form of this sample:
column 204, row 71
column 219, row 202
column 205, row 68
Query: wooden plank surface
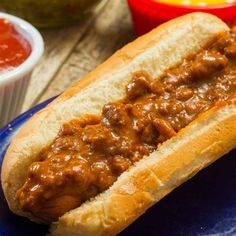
column 73, row 52
column 59, row 44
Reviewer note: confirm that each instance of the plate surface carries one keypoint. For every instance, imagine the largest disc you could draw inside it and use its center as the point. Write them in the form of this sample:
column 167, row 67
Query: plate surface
column 205, row 205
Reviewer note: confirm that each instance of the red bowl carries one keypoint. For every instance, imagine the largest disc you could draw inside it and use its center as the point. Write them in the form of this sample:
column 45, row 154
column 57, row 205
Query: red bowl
column 147, row 14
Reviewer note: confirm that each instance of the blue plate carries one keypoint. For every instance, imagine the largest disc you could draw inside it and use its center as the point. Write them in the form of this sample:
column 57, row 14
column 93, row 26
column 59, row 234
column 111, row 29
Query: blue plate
column 205, row 205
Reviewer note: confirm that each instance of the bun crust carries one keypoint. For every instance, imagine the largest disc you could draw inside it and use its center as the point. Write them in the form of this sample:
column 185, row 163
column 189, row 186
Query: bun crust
column 195, row 147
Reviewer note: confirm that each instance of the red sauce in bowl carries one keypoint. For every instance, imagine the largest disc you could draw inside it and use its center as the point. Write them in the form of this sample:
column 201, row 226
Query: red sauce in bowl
column 14, row 48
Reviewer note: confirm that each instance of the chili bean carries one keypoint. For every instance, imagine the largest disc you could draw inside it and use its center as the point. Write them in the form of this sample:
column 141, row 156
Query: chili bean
column 208, row 63
column 138, row 86
column 157, row 87
column 184, row 93
column 164, row 128
column 120, row 164
column 175, row 108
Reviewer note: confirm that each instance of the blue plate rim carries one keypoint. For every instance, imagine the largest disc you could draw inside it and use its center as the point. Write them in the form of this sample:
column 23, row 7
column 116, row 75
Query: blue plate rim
column 23, row 116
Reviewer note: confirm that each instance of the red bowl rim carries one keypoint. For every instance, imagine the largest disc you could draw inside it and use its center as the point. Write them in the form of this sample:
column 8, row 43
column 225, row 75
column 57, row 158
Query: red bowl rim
column 186, row 7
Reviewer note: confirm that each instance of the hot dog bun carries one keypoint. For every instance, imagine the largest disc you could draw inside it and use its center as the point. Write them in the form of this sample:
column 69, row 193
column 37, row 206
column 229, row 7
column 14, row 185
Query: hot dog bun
column 196, row 146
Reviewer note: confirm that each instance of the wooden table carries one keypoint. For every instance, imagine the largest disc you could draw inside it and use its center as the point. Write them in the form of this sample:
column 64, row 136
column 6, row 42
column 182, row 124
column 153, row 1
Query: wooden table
column 72, row 52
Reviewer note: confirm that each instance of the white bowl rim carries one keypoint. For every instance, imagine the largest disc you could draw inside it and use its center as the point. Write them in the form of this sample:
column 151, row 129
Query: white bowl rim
column 37, row 46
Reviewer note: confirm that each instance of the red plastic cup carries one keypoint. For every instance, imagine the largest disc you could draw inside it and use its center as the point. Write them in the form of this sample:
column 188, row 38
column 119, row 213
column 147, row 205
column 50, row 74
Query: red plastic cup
column 147, row 14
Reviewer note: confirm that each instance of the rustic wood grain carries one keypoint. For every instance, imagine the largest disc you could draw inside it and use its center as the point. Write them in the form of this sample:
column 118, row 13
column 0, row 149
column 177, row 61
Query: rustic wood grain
column 59, row 44
column 110, row 31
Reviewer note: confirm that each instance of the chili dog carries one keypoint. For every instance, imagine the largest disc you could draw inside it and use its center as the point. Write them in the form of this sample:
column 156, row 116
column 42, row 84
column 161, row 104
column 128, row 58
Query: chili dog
column 120, row 139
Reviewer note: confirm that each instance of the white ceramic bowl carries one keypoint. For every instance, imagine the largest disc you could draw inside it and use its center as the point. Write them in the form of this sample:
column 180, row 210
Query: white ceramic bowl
column 14, row 83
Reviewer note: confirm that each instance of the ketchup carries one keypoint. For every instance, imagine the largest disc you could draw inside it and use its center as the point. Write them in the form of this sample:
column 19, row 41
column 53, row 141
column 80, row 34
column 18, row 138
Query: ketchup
column 14, row 48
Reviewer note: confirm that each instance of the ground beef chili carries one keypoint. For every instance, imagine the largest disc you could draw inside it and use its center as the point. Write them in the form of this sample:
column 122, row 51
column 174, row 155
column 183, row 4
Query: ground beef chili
column 90, row 153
